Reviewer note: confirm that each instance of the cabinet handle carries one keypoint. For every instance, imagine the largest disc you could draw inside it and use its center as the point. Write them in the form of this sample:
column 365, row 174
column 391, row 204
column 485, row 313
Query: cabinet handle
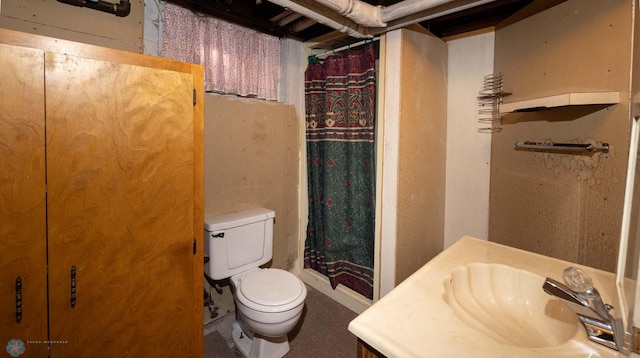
column 73, row 286
column 18, row 299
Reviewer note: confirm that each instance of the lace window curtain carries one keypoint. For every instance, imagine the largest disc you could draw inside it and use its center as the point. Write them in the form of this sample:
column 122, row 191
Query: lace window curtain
column 237, row 60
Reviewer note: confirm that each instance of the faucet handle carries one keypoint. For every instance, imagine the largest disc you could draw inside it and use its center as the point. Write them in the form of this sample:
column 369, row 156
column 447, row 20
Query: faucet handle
column 578, row 281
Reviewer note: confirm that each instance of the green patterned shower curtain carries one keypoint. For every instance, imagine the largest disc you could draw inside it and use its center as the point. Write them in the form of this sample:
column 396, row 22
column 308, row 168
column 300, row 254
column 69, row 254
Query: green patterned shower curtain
column 340, row 118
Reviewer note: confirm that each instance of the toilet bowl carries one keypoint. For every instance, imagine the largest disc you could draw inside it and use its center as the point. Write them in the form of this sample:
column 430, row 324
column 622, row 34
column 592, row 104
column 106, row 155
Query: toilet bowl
column 269, row 302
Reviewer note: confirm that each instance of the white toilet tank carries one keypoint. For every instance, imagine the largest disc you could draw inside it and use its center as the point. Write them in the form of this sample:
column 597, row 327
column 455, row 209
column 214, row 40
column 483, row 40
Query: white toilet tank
column 237, row 242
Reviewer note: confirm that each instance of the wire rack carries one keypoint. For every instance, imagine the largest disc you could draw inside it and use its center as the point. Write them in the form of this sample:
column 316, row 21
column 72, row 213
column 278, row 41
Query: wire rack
column 489, row 100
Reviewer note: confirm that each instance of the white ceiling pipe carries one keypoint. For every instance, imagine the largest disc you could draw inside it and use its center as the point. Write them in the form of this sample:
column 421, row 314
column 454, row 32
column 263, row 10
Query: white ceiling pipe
column 377, row 16
column 415, row 19
column 408, row 7
column 356, row 10
column 320, row 18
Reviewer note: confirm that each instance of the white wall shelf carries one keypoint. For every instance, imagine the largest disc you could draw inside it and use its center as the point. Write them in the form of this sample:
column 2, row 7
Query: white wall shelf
column 561, row 100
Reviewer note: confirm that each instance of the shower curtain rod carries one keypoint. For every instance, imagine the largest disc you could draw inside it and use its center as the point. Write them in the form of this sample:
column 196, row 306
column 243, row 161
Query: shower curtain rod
column 332, row 52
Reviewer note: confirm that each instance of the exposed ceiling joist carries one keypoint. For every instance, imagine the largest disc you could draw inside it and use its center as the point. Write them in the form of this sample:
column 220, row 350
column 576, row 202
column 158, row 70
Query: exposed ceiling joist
column 449, row 18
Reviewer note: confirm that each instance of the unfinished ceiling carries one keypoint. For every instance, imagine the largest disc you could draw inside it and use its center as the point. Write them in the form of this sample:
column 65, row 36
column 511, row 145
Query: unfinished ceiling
column 274, row 19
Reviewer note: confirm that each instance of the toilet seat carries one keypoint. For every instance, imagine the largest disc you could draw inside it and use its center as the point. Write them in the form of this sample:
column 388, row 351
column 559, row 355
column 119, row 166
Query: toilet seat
column 270, row 290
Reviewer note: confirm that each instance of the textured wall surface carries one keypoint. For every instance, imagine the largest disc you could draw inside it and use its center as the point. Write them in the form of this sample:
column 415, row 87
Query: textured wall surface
column 422, row 147
column 468, row 151
column 59, row 20
column 251, row 159
column 563, row 205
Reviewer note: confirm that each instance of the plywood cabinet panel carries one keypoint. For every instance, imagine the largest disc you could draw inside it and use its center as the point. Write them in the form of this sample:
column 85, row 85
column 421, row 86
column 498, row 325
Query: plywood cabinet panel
column 365, row 351
column 22, row 198
column 120, row 177
column 100, row 173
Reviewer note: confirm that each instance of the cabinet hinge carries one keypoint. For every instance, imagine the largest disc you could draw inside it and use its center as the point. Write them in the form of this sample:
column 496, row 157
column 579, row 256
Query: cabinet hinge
column 194, row 246
column 194, row 97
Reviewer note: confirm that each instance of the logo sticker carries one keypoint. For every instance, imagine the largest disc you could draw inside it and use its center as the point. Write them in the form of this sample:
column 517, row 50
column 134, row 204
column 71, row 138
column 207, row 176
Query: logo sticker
column 15, row 347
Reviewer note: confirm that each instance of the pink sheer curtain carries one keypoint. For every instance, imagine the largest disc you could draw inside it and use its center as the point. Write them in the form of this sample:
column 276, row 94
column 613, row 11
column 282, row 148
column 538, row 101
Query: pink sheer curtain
column 237, row 60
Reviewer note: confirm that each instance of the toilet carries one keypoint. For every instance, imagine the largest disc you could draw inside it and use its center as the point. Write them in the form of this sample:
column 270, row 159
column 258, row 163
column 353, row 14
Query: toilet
column 268, row 301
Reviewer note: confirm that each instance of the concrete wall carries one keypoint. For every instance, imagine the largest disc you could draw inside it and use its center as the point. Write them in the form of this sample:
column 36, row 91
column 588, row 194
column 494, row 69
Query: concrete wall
column 251, row 159
column 59, row 20
column 562, row 205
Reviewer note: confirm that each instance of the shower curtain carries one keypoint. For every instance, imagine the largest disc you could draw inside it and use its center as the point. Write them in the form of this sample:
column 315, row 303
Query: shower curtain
column 340, row 117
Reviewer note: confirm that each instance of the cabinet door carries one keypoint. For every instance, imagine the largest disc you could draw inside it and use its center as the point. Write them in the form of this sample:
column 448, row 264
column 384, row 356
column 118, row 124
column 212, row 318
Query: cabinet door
column 120, row 212
column 22, row 202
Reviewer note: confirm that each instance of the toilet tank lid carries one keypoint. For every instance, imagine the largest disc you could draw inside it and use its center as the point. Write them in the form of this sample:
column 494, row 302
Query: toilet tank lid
column 238, row 218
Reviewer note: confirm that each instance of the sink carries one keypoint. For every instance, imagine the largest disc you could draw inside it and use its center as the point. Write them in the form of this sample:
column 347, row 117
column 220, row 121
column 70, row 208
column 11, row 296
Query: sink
column 484, row 300
column 509, row 305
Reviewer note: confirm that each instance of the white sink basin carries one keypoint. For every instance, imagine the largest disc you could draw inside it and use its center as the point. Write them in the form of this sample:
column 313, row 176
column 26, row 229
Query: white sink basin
column 509, row 305
column 483, row 300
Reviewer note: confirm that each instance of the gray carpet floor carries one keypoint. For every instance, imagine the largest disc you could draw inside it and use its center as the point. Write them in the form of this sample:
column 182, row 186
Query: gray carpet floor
column 322, row 332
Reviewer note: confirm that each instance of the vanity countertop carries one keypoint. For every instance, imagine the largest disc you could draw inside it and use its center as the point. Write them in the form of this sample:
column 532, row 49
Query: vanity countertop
column 414, row 320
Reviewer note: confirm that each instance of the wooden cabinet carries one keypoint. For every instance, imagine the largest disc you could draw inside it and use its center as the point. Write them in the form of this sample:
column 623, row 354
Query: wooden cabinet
column 365, row 351
column 101, row 208
column 23, row 230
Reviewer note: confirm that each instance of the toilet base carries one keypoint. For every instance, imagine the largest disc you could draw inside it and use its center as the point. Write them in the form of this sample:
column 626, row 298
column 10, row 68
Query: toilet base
column 259, row 347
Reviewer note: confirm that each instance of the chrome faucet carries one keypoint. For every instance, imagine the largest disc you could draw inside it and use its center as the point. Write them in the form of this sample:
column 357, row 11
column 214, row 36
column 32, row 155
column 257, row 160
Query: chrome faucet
column 584, row 299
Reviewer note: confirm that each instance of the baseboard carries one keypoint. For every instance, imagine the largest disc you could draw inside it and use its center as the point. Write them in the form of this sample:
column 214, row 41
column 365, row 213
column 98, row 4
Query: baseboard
column 342, row 294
